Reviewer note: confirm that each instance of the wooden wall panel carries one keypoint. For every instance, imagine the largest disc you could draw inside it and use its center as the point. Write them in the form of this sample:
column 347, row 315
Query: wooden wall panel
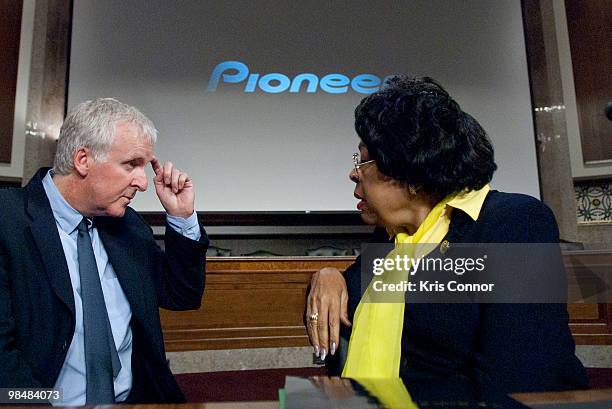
column 48, row 81
column 248, row 303
column 591, row 323
column 259, row 303
column 589, row 25
column 10, row 33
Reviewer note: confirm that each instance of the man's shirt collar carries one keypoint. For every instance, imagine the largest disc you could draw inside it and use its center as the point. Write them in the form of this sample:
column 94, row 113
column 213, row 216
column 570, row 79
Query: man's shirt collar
column 65, row 215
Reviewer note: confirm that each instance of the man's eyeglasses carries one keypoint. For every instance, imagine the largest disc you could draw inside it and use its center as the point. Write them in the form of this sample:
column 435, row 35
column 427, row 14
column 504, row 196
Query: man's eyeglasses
column 358, row 163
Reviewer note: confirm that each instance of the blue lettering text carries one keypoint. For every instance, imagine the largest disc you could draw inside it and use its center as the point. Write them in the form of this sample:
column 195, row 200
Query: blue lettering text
column 236, row 72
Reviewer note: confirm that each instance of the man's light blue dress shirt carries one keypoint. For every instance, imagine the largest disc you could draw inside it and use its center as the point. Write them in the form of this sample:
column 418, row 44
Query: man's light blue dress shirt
column 72, row 375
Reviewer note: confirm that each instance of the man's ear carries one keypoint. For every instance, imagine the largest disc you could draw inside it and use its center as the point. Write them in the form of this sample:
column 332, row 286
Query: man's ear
column 82, row 161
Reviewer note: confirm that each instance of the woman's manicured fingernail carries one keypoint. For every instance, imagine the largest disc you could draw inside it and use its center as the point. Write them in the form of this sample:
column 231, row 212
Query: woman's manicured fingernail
column 333, row 348
column 316, row 350
column 323, row 354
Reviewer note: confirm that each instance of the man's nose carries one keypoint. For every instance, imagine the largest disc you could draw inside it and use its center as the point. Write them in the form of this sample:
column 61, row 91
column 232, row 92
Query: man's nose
column 140, row 180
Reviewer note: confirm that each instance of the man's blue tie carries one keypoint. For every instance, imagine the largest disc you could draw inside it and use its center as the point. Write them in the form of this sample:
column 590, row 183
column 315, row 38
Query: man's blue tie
column 101, row 359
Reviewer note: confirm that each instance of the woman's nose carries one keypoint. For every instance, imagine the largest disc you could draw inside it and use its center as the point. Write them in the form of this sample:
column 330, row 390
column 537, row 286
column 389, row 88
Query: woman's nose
column 353, row 175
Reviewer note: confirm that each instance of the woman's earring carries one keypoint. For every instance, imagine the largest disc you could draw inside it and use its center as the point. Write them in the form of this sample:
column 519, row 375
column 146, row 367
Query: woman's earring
column 412, row 190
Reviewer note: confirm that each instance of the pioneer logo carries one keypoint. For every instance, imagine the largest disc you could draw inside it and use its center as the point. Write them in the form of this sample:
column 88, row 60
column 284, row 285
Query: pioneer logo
column 236, row 72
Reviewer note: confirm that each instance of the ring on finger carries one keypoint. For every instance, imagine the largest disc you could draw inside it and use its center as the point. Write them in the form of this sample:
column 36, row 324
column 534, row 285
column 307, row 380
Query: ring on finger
column 314, row 317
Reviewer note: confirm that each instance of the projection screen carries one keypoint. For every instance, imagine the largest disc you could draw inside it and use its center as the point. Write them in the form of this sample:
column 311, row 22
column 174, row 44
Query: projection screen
column 255, row 99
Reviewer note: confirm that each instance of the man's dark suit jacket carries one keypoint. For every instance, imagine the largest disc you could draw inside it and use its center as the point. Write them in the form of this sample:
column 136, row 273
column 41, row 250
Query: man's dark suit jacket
column 37, row 317
column 508, row 347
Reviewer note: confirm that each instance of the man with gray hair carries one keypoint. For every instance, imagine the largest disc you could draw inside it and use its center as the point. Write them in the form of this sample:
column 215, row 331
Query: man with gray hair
column 81, row 277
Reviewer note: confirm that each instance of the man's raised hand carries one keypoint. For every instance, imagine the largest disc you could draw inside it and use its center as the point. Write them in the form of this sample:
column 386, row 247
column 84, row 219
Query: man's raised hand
column 174, row 189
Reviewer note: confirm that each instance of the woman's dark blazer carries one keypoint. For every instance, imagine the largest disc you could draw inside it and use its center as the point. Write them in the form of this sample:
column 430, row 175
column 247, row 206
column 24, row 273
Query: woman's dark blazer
column 509, row 347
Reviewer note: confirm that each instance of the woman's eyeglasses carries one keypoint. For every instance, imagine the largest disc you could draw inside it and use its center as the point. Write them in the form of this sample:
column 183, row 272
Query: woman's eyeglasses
column 358, row 163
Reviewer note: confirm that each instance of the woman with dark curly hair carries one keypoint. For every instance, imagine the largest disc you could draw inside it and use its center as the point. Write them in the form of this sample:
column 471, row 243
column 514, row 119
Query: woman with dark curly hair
column 422, row 176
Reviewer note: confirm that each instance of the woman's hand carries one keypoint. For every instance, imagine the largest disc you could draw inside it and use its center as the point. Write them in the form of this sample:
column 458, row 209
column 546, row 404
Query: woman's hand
column 328, row 303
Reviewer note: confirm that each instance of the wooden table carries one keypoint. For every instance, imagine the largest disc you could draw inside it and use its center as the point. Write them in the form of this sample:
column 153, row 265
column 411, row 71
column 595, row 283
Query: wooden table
column 527, row 399
column 592, row 395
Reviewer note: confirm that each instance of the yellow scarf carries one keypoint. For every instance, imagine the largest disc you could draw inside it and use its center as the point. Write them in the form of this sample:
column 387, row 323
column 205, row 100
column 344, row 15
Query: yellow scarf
column 375, row 347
